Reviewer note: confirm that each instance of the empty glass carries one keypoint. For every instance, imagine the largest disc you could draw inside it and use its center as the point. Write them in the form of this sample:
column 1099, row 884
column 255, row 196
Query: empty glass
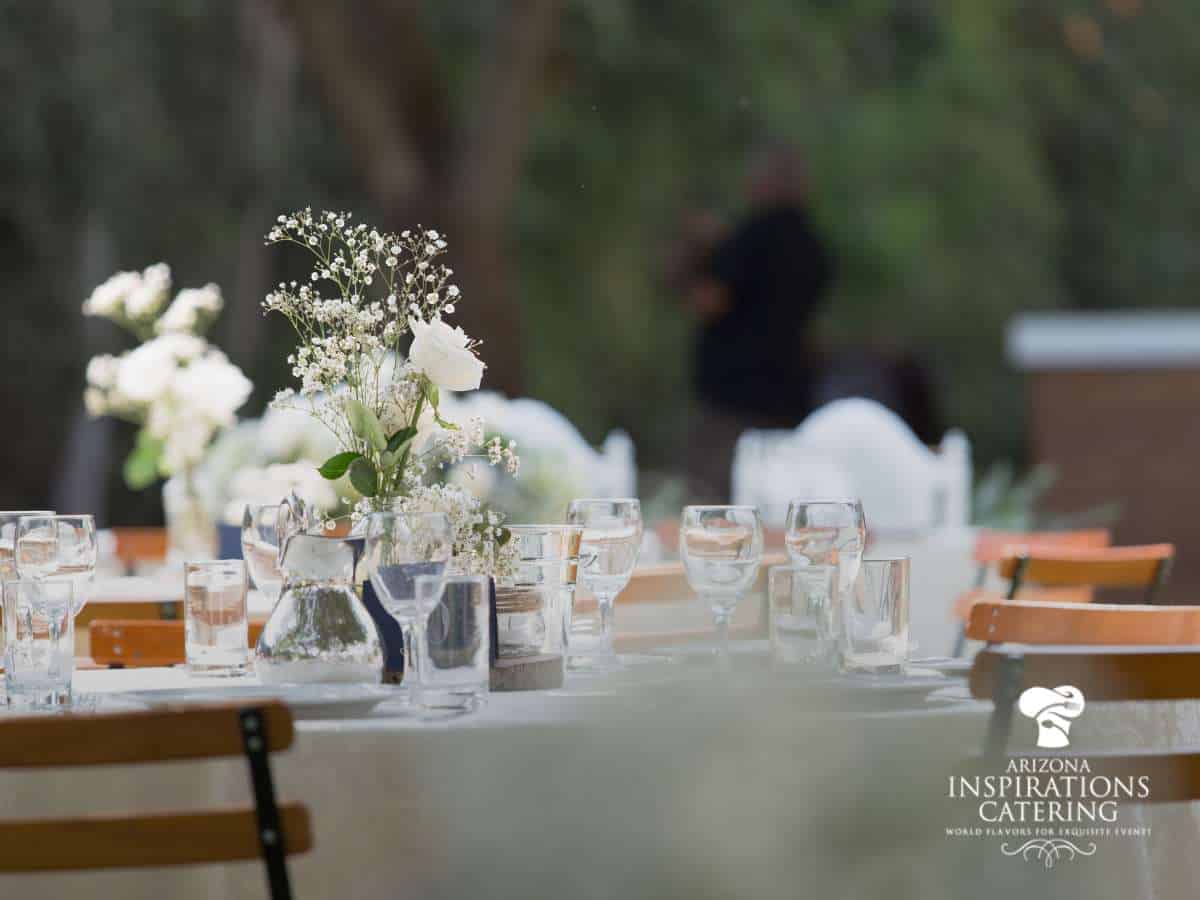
column 216, row 631
column 721, row 548
column 875, row 629
column 260, row 548
column 828, row 533
column 608, row 553
column 39, row 633
column 399, row 548
column 453, row 635
column 60, row 547
column 800, row 599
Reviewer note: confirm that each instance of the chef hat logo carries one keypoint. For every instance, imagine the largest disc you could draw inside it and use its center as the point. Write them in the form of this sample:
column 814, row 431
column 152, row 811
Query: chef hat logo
column 1053, row 710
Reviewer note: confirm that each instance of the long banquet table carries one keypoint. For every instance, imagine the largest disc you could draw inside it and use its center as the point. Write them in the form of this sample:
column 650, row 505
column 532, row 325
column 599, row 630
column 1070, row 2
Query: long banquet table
column 400, row 805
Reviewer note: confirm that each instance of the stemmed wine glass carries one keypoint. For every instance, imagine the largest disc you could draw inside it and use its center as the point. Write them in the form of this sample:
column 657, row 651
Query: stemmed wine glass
column 59, row 547
column 721, row 548
column 399, row 547
column 260, row 548
column 8, row 539
column 829, row 533
column 608, row 553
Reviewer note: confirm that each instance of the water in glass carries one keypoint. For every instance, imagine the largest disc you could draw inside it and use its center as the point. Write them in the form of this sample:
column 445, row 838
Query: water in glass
column 216, row 638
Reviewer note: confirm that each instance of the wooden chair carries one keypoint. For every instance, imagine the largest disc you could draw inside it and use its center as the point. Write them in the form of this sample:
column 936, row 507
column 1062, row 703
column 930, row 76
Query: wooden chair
column 268, row 831
column 1146, row 566
column 993, row 546
column 667, row 583
column 144, row 642
column 1101, row 674
column 140, row 545
column 1022, row 622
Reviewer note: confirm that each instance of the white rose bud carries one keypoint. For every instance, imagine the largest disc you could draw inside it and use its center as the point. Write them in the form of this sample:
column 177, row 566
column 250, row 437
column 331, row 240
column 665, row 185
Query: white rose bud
column 443, row 354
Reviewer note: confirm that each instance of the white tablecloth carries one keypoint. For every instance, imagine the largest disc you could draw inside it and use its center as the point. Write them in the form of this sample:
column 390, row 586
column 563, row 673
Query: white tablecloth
column 609, row 788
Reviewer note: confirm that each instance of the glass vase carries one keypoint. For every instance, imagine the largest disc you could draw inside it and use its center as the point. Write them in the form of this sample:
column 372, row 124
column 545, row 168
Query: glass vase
column 191, row 529
column 319, row 631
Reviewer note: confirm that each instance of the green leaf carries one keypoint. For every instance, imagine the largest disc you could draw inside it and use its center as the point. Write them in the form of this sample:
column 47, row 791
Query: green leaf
column 397, row 441
column 141, row 466
column 335, row 467
column 364, row 477
column 431, row 392
column 387, row 461
column 503, row 537
column 365, row 424
column 449, row 426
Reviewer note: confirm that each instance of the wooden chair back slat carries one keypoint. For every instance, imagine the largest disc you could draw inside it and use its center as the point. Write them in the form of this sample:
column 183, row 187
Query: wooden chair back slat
column 143, row 642
column 135, row 737
column 1169, row 777
column 1021, row 622
column 149, row 841
column 1135, row 673
column 1140, row 566
column 993, row 546
column 139, row 545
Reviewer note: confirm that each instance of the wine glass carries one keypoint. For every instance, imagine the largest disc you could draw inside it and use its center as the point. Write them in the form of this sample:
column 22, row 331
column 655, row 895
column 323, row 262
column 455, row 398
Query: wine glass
column 829, row 533
column 399, row 547
column 8, row 539
column 260, row 548
column 608, row 552
column 721, row 548
column 59, row 547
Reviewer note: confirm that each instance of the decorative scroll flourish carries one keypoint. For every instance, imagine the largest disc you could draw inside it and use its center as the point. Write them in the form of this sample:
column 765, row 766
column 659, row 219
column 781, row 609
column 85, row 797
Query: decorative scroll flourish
column 1048, row 851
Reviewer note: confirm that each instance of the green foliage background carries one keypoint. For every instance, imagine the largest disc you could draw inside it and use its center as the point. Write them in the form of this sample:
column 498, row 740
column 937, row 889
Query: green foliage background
column 968, row 161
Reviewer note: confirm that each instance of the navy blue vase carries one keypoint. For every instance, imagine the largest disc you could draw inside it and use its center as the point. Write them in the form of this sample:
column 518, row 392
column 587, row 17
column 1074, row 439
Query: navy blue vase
column 389, row 634
column 229, row 541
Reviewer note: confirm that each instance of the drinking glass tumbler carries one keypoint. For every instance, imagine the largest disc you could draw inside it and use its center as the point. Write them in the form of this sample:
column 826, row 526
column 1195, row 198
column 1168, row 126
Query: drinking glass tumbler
column 453, row 634
column 39, row 642
column 875, row 620
column 800, row 604
column 216, row 630
column 829, row 533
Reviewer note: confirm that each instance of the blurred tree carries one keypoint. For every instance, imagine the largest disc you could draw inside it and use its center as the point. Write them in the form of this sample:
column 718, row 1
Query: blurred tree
column 429, row 156
column 968, row 160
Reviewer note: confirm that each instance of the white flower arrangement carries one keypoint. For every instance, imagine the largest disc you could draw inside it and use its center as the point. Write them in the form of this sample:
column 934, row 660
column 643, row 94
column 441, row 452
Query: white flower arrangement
column 367, row 292
column 181, row 389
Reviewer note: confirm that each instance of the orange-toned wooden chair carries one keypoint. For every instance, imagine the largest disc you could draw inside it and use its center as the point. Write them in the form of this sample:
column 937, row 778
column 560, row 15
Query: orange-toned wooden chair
column 1106, row 624
column 267, row 831
column 140, row 545
column 1147, row 566
column 993, row 546
column 119, row 643
column 667, row 583
column 1106, row 673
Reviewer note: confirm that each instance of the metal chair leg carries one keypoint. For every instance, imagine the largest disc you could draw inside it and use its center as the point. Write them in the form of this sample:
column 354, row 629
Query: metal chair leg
column 270, row 831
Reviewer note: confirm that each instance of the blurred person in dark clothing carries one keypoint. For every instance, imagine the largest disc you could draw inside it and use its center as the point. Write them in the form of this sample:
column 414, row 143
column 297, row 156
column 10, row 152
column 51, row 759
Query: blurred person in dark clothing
column 755, row 293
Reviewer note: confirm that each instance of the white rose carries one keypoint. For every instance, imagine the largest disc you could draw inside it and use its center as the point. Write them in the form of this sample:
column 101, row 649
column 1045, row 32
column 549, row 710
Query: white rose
column 143, row 374
column 109, row 298
column 183, row 315
column 151, row 293
column 102, row 371
column 212, row 388
column 444, row 355
column 94, row 402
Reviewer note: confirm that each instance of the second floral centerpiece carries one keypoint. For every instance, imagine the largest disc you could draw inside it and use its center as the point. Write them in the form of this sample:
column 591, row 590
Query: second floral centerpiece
column 370, row 296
